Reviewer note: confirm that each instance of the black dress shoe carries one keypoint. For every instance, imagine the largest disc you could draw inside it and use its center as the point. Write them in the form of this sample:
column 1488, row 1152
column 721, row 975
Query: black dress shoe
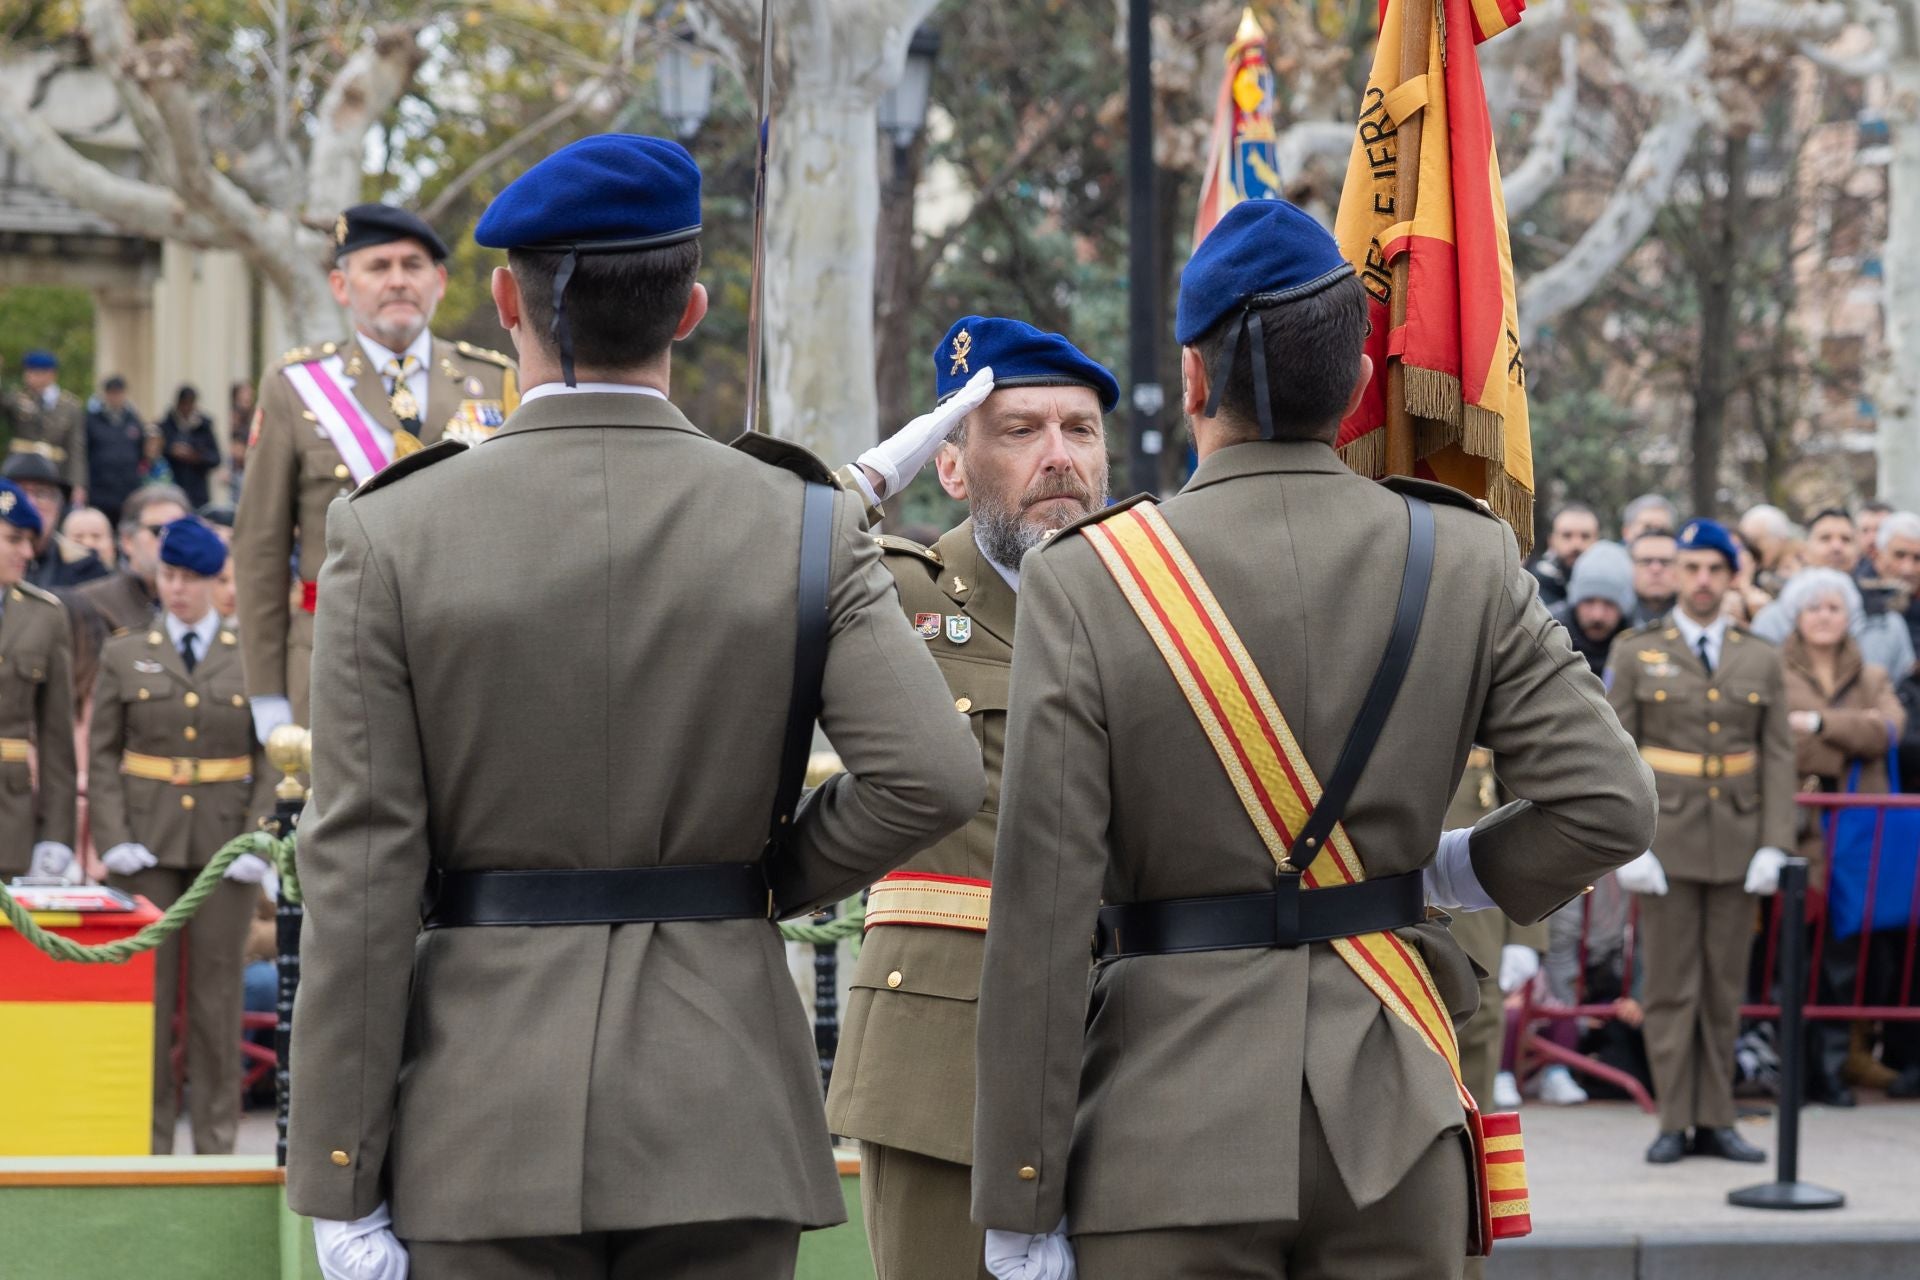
column 1906, row 1084
column 1832, row 1091
column 1668, row 1147
column 1726, row 1144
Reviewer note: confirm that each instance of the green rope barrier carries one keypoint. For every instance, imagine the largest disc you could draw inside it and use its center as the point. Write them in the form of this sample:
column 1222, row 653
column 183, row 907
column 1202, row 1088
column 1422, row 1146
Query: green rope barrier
column 120, row 951
column 849, row 924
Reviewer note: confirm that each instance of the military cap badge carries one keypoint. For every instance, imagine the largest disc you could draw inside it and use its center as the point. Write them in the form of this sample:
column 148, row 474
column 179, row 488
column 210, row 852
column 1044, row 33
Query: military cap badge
column 962, row 346
column 6, row 509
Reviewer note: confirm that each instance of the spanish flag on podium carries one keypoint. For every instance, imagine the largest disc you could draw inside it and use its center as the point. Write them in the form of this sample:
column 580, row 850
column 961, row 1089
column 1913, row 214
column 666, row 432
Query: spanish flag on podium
column 1242, row 159
column 1423, row 221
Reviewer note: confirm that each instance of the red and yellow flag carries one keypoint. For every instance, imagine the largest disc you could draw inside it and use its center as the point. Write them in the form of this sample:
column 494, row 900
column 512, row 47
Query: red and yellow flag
column 1465, row 383
column 1242, row 160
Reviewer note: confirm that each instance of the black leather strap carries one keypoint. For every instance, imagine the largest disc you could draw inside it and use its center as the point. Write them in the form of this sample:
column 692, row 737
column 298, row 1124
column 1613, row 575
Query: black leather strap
column 809, row 657
column 1249, row 919
column 1365, row 734
column 611, row 895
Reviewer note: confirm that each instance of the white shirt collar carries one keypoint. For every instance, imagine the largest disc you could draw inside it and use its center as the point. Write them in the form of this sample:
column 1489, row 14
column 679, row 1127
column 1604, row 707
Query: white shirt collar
column 51, row 396
column 203, row 632
column 1009, row 576
column 1691, row 631
column 421, row 349
column 604, row 388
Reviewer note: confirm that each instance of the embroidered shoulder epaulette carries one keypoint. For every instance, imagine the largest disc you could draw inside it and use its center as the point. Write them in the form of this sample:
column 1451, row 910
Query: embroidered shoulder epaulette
column 1434, row 491
column 38, row 593
column 481, row 353
column 1095, row 517
column 891, row 543
column 776, row 452
column 438, row 451
column 299, row 355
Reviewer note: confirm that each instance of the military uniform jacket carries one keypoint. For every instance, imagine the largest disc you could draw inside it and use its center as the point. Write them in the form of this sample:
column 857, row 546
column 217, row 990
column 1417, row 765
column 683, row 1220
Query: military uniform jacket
column 36, row 705
column 1709, row 827
column 145, row 701
column 1165, row 1092
column 1481, row 934
column 122, row 601
column 57, row 432
column 903, row 1075
column 294, row 471
column 483, row 703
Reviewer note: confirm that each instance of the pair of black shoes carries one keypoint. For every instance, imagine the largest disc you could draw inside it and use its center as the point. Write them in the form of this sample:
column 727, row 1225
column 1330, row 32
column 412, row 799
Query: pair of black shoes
column 1672, row 1144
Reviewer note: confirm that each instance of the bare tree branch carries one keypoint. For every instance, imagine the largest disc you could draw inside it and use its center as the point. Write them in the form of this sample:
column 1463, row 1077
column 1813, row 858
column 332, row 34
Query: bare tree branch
column 1546, row 159
column 109, row 30
column 373, row 79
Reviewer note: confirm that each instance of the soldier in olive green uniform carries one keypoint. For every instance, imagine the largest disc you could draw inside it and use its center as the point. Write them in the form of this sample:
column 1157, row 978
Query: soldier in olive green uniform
column 328, row 417
column 36, row 706
column 1706, row 701
column 903, row 1080
column 1507, row 954
column 49, row 420
column 174, row 774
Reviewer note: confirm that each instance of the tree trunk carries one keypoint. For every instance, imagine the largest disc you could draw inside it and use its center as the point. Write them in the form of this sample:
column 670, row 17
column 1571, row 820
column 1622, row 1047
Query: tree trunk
column 1718, row 320
column 901, row 392
column 1897, row 397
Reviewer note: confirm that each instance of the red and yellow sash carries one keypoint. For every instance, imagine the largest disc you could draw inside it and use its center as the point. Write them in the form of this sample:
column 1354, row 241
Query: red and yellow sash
column 1278, row 788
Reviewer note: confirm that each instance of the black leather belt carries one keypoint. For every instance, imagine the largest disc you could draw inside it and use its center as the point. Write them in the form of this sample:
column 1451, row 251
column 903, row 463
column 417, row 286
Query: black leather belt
column 613, row 895
column 1286, row 917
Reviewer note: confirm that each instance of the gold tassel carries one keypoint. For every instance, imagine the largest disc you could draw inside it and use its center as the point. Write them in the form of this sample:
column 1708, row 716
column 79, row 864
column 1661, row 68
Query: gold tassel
column 1512, row 502
column 1430, row 436
column 1483, row 434
column 1431, row 394
column 1367, row 456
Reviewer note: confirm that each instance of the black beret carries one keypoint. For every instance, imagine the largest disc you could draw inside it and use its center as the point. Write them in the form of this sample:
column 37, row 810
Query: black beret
column 366, row 225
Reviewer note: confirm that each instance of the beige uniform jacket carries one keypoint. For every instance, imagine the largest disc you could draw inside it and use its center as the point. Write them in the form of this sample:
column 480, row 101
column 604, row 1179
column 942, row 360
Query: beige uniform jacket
column 1482, row 934
column 903, row 1076
column 56, row 432
column 122, row 601
column 294, row 471
column 145, row 701
column 36, row 706
column 573, row 647
column 1709, row 826
column 1164, row 1091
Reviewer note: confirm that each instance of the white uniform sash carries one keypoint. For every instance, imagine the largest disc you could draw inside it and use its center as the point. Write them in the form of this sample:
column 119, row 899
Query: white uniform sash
column 364, row 445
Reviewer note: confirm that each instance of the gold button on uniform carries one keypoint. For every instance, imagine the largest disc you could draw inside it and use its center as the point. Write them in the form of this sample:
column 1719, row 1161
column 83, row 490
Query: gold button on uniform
column 1659, row 695
column 239, row 701
column 1713, row 793
column 144, row 695
column 1028, row 1173
column 341, row 1158
column 963, row 705
column 340, row 472
column 192, row 700
column 190, row 733
column 1753, row 697
column 1713, row 695
column 893, row 979
column 1713, row 726
column 186, row 802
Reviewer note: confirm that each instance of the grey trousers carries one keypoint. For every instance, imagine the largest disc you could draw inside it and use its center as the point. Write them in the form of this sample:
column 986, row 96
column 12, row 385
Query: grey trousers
column 736, row 1250
column 916, row 1213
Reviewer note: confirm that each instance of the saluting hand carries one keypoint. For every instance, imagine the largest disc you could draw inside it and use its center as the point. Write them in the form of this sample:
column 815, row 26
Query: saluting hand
column 891, row 465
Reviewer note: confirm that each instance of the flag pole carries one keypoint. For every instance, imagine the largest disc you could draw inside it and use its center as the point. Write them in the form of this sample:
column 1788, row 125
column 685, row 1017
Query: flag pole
column 756, row 275
column 1416, row 29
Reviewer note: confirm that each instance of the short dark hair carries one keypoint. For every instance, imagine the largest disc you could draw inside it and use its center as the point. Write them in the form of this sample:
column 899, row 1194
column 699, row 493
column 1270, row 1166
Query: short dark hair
column 1877, row 507
column 1313, row 349
column 622, row 308
column 133, row 511
column 1573, row 509
column 1830, row 513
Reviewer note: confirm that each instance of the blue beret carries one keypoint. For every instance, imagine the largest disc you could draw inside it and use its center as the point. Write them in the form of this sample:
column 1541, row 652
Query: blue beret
column 610, row 192
column 1707, row 535
column 1021, row 356
column 1263, row 252
column 17, row 509
column 367, row 225
column 39, row 360
column 189, row 544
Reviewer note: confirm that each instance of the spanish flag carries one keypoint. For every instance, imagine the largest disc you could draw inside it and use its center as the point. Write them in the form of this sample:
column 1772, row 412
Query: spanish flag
column 1464, row 382
column 1242, row 159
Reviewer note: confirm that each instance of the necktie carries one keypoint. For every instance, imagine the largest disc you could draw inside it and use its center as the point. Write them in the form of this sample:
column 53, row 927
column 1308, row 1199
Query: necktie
column 186, row 651
column 1705, row 661
column 399, row 395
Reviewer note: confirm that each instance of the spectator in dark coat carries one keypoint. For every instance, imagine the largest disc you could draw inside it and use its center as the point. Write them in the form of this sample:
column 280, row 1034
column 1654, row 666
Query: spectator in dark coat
column 191, row 448
column 116, row 448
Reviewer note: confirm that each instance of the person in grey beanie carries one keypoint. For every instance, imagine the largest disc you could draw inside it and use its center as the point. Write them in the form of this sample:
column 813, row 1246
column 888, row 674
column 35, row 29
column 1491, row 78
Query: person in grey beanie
column 1599, row 601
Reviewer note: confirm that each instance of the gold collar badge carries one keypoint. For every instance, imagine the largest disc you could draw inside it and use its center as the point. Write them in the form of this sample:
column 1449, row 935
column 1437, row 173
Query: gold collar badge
column 962, row 346
column 340, row 230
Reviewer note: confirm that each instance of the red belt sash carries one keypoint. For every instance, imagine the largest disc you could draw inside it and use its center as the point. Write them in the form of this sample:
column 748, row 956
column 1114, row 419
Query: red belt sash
column 309, row 595
column 1278, row 789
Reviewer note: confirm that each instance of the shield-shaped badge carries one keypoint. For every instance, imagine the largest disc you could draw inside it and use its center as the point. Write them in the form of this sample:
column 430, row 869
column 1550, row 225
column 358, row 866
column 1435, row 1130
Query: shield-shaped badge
column 959, row 628
column 926, row 626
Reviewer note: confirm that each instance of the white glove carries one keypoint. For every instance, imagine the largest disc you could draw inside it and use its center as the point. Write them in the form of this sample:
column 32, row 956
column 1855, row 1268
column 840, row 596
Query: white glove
column 1763, row 873
column 1015, row 1255
column 1450, row 879
column 898, row 458
column 270, row 711
column 129, row 859
column 1518, row 964
column 56, row 860
column 248, row 868
column 1643, row 875
column 362, row 1250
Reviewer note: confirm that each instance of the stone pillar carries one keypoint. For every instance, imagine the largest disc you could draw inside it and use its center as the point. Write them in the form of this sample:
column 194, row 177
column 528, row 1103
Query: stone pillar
column 123, row 342
column 203, row 305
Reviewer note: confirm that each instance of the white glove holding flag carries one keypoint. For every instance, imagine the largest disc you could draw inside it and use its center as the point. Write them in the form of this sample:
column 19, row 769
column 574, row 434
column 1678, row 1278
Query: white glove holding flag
column 129, row 859
column 54, row 860
column 1643, row 875
column 1450, row 878
column 1763, row 873
column 1518, row 964
column 270, row 711
column 365, row 1249
column 1015, row 1255
column 899, row 458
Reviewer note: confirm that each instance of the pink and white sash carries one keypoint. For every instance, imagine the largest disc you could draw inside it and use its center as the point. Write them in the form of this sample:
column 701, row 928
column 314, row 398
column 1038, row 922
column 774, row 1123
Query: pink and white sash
column 364, row 445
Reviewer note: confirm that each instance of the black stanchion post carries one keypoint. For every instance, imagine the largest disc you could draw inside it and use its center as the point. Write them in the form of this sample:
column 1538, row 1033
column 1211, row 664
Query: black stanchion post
column 826, row 999
column 1786, row 1191
column 289, row 750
